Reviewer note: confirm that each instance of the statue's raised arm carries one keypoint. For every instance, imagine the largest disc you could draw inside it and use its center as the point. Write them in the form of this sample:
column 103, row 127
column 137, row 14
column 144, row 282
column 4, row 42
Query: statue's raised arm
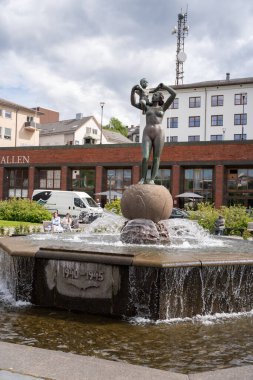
column 133, row 99
column 169, row 101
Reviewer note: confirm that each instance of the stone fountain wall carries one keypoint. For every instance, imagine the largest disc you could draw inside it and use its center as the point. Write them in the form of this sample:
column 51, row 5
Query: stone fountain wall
column 155, row 293
column 127, row 281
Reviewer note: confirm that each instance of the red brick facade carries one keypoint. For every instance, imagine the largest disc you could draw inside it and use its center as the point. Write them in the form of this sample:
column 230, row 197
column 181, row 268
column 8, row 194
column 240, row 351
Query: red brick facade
column 177, row 157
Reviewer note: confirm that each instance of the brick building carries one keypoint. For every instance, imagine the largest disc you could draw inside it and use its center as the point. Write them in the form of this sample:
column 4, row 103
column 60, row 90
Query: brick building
column 222, row 171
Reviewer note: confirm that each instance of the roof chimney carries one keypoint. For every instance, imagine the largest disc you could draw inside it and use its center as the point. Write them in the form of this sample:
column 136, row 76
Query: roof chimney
column 79, row 116
column 227, row 76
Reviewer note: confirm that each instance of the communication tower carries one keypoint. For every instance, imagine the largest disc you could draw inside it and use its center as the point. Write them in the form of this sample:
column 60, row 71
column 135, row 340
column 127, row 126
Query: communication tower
column 181, row 30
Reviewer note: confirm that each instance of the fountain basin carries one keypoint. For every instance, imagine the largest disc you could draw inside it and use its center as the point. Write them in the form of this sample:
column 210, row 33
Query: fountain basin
column 130, row 280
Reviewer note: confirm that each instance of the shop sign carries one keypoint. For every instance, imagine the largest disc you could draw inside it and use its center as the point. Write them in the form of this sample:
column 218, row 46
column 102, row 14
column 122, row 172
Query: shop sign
column 14, row 160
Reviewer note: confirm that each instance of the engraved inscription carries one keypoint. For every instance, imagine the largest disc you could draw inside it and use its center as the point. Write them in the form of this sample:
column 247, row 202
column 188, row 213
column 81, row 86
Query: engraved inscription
column 81, row 279
column 90, row 275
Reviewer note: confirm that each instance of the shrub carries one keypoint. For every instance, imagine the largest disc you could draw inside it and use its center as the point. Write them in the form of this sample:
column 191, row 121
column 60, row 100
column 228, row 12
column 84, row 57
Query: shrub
column 235, row 216
column 114, row 206
column 23, row 210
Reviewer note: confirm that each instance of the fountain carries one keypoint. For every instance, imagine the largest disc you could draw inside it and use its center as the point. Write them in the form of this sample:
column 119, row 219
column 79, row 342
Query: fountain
column 142, row 264
column 94, row 272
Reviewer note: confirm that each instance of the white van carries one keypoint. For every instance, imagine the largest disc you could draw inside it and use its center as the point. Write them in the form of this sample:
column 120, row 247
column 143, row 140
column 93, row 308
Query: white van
column 78, row 203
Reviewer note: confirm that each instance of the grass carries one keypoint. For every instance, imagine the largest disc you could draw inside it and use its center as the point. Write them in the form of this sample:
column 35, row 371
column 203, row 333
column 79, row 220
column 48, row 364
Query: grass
column 11, row 223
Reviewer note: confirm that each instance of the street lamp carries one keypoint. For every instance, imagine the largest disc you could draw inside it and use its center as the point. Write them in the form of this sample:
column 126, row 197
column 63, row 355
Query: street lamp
column 102, row 109
column 110, row 177
column 243, row 119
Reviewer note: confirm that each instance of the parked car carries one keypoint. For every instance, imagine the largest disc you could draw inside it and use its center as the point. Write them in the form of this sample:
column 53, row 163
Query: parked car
column 178, row 213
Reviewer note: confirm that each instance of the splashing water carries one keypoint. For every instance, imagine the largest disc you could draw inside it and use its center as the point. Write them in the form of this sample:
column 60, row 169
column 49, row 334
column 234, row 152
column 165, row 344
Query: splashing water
column 184, row 234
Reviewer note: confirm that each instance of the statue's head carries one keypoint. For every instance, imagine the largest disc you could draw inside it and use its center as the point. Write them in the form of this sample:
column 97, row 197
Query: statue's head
column 158, row 97
column 144, row 82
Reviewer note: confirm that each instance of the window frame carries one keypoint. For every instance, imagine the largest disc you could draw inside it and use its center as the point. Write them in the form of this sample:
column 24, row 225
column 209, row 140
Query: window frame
column 7, row 136
column 217, row 120
column 193, row 138
column 194, row 101
column 219, row 99
column 172, row 122
column 238, row 99
column 175, row 104
column 242, row 119
column 195, row 119
column 221, row 138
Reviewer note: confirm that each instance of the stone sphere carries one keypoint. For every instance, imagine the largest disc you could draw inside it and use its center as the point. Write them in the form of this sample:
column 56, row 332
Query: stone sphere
column 146, row 201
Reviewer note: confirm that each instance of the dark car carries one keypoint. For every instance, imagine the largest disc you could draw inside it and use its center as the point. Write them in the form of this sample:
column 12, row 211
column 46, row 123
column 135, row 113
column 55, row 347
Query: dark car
column 178, row 213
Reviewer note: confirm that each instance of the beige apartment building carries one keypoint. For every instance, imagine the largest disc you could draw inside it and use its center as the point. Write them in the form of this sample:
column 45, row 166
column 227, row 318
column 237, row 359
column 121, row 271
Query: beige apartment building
column 18, row 125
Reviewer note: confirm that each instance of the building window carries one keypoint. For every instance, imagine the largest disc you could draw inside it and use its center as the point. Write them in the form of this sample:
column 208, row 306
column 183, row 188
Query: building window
column 194, row 102
column 163, row 177
column 240, row 186
column 83, row 180
column 88, row 130
column 89, row 140
column 173, row 138
column 216, row 137
column 1, row 132
column 118, row 179
column 7, row 114
column 1, row 112
column 240, row 119
column 199, row 181
column 7, row 133
column 216, row 120
column 95, row 131
column 217, row 100
column 240, row 99
column 49, row 179
column 194, row 138
column 175, row 104
column 194, row 121
column 17, row 183
column 172, row 122
column 239, row 136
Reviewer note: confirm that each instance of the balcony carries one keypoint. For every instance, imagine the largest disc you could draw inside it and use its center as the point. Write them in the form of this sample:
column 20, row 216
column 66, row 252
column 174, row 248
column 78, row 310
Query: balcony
column 30, row 126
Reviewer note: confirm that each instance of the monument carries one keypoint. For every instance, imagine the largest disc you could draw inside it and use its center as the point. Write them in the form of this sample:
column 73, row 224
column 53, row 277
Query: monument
column 145, row 205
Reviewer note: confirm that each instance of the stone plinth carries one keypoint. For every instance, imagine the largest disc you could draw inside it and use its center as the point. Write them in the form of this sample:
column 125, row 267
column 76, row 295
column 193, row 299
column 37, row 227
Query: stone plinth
column 144, row 231
column 151, row 202
column 145, row 206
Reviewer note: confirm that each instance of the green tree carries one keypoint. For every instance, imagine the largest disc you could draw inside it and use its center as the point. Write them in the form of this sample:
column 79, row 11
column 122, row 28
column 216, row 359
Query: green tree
column 116, row 126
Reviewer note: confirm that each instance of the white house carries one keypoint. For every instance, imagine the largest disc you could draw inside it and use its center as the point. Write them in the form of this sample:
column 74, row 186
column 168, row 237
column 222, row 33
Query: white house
column 78, row 131
column 210, row 111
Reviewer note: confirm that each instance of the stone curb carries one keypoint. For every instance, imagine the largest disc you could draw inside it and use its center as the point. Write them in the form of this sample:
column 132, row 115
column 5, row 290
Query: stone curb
column 18, row 362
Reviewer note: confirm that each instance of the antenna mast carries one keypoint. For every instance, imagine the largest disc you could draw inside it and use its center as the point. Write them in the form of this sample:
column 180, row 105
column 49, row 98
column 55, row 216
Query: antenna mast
column 181, row 30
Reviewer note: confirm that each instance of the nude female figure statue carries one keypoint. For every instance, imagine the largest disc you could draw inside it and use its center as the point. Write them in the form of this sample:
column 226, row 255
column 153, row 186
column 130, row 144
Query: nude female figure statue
column 153, row 133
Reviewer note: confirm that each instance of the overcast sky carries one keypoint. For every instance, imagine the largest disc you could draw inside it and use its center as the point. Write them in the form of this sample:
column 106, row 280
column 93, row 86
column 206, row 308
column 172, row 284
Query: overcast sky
column 69, row 55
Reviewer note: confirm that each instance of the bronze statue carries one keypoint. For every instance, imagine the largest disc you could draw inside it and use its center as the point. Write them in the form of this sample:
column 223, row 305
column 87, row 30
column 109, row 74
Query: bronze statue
column 153, row 133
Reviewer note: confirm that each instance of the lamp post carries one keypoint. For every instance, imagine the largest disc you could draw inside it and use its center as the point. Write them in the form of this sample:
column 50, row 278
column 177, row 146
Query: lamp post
column 102, row 109
column 110, row 177
column 243, row 101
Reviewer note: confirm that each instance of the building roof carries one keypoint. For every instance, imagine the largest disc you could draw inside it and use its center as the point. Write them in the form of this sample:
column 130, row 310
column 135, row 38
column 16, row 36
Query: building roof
column 8, row 104
column 216, row 83
column 64, row 126
column 115, row 137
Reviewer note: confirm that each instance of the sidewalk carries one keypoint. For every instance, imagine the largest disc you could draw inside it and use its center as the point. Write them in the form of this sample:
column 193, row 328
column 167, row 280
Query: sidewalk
column 18, row 362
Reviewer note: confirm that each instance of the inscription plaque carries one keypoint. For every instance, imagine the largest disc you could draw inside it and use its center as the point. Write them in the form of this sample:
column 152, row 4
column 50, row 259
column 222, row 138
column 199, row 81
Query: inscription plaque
column 79, row 279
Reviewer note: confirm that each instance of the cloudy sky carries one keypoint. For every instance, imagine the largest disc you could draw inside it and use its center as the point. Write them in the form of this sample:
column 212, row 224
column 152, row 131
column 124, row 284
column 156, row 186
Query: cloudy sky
column 69, row 55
